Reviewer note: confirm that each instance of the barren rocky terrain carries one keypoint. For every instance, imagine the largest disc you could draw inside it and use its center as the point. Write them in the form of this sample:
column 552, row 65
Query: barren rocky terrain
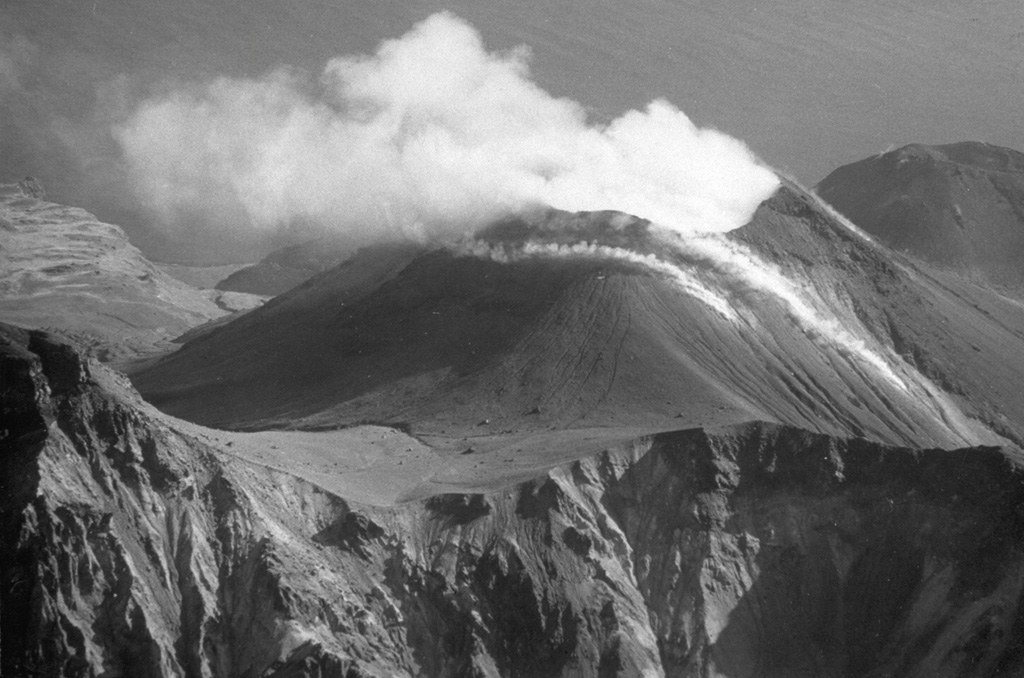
column 142, row 546
column 784, row 451
column 60, row 267
column 477, row 348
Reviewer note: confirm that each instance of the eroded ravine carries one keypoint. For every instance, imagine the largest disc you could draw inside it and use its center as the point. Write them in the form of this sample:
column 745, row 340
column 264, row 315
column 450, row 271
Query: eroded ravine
column 752, row 550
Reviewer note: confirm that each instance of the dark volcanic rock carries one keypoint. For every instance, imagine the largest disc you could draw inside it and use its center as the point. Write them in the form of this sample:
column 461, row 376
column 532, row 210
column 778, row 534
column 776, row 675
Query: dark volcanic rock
column 760, row 550
column 960, row 206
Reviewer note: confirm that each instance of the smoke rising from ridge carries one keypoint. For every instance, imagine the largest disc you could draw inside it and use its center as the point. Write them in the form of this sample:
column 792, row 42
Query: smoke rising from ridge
column 688, row 280
column 429, row 138
column 741, row 270
column 433, row 137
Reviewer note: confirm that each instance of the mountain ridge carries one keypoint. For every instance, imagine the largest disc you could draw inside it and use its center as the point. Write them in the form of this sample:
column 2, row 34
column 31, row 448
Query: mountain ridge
column 958, row 206
column 574, row 444
column 137, row 541
column 59, row 265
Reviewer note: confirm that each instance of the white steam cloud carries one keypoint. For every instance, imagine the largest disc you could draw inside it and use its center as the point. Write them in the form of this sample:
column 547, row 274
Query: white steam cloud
column 742, row 271
column 430, row 137
column 433, row 137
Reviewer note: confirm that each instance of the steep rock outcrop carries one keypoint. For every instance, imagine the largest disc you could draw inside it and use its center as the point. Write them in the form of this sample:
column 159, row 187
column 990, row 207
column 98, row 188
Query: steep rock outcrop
column 769, row 551
column 134, row 548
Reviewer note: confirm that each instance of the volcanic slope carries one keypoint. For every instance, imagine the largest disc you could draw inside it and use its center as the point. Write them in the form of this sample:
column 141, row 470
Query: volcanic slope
column 960, row 206
column 794, row 318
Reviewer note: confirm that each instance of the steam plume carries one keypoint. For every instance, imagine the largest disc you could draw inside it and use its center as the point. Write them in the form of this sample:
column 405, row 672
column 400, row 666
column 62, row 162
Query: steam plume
column 429, row 138
column 740, row 271
column 433, row 137
column 686, row 278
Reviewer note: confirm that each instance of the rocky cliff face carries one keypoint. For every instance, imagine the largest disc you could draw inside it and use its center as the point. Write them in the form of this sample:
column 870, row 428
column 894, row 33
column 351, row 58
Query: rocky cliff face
column 133, row 548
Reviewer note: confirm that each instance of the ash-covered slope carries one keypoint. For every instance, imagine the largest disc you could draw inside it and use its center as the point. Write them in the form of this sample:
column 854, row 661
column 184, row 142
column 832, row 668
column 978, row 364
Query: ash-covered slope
column 61, row 268
column 133, row 547
column 960, row 206
column 794, row 318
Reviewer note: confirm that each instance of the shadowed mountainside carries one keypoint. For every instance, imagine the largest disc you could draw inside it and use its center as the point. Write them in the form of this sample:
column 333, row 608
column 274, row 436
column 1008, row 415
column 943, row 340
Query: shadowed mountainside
column 861, row 344
column 959, row 206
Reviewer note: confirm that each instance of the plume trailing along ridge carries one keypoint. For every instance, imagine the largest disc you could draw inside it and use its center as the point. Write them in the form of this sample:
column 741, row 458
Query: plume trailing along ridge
column 711, row 268
column 609, row 236
column 433, row 138
column 429, row 138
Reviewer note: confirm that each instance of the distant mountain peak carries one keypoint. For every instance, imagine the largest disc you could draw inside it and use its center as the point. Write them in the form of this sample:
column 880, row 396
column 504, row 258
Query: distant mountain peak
column 975, row 154
column 959, row 206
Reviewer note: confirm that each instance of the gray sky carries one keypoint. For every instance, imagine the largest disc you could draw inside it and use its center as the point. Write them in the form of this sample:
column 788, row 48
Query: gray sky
column 808, row 85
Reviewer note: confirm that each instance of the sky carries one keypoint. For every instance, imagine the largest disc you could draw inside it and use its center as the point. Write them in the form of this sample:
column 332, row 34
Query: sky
column 807, row 86
column 429, row 138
